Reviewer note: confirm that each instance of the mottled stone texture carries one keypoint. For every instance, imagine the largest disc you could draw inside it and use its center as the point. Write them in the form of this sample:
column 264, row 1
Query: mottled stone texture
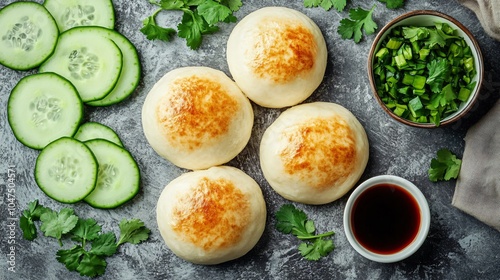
column 458, row 246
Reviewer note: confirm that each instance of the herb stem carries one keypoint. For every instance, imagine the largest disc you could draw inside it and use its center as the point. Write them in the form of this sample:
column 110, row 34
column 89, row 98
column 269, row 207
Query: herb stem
column 316, row 236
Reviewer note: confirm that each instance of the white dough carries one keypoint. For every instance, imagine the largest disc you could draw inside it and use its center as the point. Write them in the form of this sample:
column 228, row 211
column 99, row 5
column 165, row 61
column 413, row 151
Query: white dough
column 277, row 56
column 211, row 216
column 314, row 153
column 197, row 117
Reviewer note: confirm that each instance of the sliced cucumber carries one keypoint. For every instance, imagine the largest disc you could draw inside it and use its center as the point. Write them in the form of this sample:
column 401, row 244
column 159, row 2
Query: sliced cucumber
column 94, row 130
column 131, row 69
column 118, row 178
column 73, row 13
column 66, row 170
column 90, row 61
column 42, row 108
column 28, row 35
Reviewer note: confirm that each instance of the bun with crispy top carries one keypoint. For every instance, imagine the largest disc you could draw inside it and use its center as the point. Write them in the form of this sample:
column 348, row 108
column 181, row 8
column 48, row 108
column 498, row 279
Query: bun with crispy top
column 197, row 117
column 211, row 216
column 277, row 56
column 314, row 153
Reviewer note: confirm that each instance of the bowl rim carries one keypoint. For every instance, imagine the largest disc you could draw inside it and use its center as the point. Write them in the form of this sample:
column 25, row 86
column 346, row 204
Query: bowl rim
column 477, row 49
column 425, row 217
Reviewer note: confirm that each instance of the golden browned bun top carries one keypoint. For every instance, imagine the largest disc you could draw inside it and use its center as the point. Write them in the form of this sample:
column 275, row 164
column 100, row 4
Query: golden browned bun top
column 213, row 215
column 321, row 151
column 195, row 110
column 314, row 152
column 284, row 49
column 197, row 117
column 277, row 56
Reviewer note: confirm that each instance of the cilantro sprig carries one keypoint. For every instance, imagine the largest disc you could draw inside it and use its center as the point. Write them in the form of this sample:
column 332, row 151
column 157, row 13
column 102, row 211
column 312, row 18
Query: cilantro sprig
column 339, row 5
column 291, row 220
column 393, row 4
column 200, row 17
column 88, row 256
column 360, row 20
column 445, row 166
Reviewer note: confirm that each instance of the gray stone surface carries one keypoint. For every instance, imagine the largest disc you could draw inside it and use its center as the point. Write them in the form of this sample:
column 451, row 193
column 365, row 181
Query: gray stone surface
column 458, row 246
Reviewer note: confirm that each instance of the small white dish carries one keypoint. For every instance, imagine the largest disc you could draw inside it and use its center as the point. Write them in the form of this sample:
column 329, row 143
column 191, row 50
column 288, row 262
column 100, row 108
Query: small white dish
column 416, row 241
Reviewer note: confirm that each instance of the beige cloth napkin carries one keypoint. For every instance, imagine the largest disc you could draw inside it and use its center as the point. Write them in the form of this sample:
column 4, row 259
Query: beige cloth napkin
column 488, row 13
column 477, row 190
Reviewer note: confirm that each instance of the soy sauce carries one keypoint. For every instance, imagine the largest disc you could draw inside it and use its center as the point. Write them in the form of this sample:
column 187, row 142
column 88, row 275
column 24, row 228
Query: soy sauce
column 385, row 219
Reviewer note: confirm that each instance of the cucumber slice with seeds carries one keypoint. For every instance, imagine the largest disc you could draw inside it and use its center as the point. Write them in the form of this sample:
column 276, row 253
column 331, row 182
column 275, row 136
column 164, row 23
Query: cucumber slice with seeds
column 94, row 130
column 66, row 170
column 42, row 108
column 73, row 13
column 91, row 62
column 28, row 35
column 118, row 178
column 131, row 69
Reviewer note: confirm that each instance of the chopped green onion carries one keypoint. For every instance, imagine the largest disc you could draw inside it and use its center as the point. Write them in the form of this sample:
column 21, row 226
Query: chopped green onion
column 424, row 73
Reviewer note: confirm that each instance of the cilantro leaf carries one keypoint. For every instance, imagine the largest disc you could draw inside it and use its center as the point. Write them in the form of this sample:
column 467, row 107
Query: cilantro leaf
column 339, row 5
column 28, row 218
column 445, row 167
column 71, row 258
column 133, row 231
column 234, row 5
column 359, row 19
column 85, row 230
column 435, row 38
column 155, row 32
column 200, row 17
column 319, row 248
column 213, row 12
column 393, row 4
column 192, row 27
column 56, row 224
column 91, row 265
column 295, row 221
column 104, row 245
column 439, row 71
column 291, row 220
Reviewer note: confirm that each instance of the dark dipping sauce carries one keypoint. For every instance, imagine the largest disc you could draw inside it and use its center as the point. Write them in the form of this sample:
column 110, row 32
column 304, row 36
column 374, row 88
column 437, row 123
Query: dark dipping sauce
column 385, row 219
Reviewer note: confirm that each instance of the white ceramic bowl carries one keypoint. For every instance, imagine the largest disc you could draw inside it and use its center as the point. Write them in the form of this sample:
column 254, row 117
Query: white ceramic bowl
column 422, row 232
column 428, row 18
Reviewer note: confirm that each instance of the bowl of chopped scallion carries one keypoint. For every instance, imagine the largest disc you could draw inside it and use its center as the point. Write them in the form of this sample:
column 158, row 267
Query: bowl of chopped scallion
column 425, row 69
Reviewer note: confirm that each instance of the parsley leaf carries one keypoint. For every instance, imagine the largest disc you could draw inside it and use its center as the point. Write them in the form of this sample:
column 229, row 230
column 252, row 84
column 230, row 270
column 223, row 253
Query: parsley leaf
column 319, row 248
column 295, row 221
column 155, row 32
column 104, row 245
column 86, row 230
column 91, row 265
column 393, row 4
column 213, row 12
column 339, row 5
column 439, row 71
column 291, row 220
column 200, row 17
column 133, row 231
column 234, row 5
column 71, row 258
column 359, row 19
column 65, row 223
column 193, row 27
column 28, row 218
column 56, row 224
column 445, row 167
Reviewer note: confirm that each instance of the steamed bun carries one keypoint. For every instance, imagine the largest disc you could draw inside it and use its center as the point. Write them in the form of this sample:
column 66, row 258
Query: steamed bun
column 277, row 56
column 314, row 153
column 197, row 117
column 211, row 216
